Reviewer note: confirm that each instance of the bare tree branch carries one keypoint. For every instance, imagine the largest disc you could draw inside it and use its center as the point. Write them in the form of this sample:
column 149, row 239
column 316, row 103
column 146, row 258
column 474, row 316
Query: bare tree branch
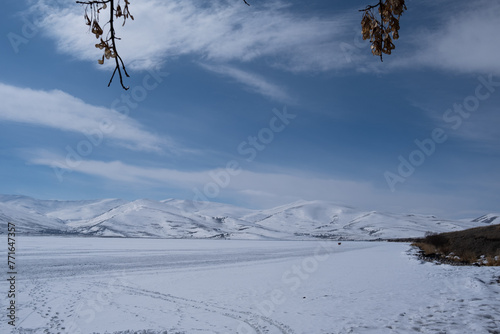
column 118, row 59
column 108, row 44
column 370, row 7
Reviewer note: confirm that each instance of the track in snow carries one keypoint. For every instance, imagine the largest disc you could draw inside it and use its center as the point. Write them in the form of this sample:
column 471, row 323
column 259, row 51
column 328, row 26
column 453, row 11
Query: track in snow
column 259, row 323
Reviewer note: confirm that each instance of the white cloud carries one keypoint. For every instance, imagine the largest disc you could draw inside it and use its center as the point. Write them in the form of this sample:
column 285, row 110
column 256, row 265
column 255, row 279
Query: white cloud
column 457, row 36
column 253, row 82
column 279, row 188
column 257, row 189
column 217, row 30
column 117, row 170
column 59, row 110
column 463, row 38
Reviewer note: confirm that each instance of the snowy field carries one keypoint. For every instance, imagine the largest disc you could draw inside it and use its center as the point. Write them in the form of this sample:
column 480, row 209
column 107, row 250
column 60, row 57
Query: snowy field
column 92, row 285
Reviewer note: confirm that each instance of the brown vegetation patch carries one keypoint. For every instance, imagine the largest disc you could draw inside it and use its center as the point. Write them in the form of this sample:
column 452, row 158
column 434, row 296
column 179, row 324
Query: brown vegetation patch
column 476, row 246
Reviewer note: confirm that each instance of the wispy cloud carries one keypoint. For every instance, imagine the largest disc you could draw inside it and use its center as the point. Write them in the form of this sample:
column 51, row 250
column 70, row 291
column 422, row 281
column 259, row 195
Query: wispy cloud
column 59, row 110
column 246, row 186
column 218, row 30
column 253, row 82
column 257, row 189
column 120, row 171
column 463, row 38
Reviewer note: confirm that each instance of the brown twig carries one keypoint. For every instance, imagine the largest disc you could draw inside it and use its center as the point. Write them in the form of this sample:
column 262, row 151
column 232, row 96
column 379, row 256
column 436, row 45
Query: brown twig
column 370, row 7
column 110, row 47
column 118, row 59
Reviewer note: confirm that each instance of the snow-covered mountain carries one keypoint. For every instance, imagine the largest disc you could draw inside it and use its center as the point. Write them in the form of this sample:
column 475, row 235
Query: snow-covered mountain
column 65, row 210
column 28, row 221
column 490, row 219
column 321, row 219
column 174, row 218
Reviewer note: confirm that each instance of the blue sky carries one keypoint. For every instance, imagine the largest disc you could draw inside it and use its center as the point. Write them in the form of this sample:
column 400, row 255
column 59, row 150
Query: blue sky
column 256, row 106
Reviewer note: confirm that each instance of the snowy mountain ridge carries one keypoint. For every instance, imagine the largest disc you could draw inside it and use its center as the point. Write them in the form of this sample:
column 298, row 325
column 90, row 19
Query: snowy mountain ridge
column 173, row 218
column 491, row 219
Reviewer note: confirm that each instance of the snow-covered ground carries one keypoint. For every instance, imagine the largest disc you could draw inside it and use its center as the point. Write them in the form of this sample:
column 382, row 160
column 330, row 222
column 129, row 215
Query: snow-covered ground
column 104, row 285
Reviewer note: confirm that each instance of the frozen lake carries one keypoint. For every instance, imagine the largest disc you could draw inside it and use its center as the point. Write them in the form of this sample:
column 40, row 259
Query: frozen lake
column 108, row 285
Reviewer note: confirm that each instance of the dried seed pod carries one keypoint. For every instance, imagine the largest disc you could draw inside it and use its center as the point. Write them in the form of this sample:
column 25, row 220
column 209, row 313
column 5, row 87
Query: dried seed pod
column 96, row 29
column 394, row 28
column 119, row 11
column 376, row 31
column 388, row 45
column 398, row 7
column 87, row 20
column 366, row 24
column 101, row 45
column 107, row 52
column 377, row 48
column 385, row 12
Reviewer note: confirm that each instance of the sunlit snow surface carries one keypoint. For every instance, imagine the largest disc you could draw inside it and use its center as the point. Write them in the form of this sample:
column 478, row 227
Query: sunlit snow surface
column 108, row 285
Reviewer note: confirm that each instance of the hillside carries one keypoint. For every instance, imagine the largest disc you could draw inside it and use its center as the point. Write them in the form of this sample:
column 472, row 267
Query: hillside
column 172, row 218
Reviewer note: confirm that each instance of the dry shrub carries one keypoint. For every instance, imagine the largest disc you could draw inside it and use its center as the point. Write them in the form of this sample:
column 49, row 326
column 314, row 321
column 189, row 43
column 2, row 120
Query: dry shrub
column 426, row 248
column 478, row 246
column 469, row 257
column 492, row 261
